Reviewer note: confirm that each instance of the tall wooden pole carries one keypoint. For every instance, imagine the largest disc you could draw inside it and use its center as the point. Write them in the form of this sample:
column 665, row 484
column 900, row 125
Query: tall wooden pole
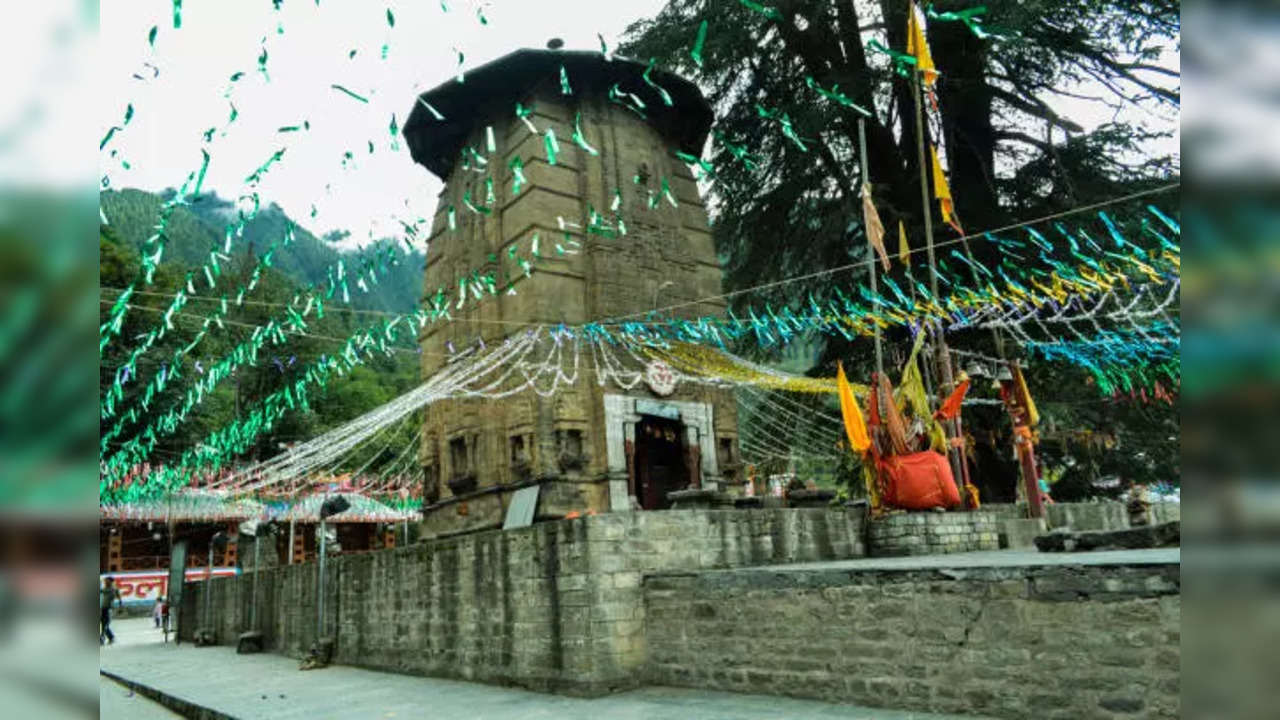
column 1020, row 416
column 946, row 379
column 871, row 250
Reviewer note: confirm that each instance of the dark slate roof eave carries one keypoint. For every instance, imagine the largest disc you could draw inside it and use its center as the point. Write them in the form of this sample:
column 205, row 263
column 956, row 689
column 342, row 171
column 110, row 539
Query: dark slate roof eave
column 436, row 144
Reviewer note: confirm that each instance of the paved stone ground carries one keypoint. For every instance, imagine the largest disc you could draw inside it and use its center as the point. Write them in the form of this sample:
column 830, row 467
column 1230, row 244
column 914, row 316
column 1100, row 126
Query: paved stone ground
column 271, row 686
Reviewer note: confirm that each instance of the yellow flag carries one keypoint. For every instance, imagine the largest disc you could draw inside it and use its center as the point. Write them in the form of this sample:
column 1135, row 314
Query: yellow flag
column 875, row 228
column 904, row 248
column 911, row 394
column 1020, row 387
column 854, row 426
column 943, row 192
column 918, row 47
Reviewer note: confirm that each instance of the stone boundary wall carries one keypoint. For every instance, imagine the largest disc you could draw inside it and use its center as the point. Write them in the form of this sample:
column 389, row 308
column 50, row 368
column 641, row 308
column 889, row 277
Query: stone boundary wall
column 1051, row 642
column 1088, row 516
column 930, row 533
column 553, row 607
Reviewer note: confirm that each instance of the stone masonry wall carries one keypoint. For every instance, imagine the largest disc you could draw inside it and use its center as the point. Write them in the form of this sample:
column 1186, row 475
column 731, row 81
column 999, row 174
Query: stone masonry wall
column 1069, row 643
column 1088, row 516
column 927, row 533
column 553, row 607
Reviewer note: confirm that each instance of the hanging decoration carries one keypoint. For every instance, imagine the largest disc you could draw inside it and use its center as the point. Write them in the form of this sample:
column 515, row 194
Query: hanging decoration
column 942, row 191
column 696, row 52
column 874, row 228
column 1106, row 306
column 918, row 47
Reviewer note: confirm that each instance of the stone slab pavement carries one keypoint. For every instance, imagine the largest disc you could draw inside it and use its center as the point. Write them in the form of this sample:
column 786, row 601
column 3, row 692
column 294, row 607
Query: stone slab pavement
column 271, row 686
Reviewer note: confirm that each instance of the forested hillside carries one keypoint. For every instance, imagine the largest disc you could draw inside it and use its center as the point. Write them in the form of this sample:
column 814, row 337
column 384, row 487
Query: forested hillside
column 193, row 230
column 202, row 224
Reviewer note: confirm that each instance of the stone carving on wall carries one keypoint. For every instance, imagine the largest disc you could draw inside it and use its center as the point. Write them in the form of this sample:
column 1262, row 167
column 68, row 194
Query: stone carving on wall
column 569, row 406
column 521, row 456
column 463, row 477
column 463, row 483
column 571, row 449
column 431, row 483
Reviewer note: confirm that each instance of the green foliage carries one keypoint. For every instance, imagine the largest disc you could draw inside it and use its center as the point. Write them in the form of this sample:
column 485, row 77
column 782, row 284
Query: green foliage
column 1085, row 438
column 201, row 226
column 373, row 384
column 1013, row 154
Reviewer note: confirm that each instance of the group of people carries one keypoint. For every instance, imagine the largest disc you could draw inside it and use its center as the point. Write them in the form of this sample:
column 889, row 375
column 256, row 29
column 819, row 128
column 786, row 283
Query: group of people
column 109, row 598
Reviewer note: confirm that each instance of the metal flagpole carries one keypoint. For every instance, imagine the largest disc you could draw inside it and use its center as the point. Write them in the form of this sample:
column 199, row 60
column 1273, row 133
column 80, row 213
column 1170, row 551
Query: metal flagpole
column 947, row 380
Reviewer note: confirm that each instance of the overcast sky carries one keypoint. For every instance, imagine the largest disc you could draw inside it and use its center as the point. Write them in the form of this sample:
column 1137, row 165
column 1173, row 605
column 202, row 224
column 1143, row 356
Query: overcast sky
column 221, row 37
column 218, row 38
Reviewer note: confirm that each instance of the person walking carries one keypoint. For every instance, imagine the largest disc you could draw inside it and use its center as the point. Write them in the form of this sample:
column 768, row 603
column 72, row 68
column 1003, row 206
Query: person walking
column 106, row 596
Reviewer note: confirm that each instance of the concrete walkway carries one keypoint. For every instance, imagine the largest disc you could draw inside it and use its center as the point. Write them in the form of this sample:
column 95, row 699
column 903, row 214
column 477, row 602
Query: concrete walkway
column 271, row 686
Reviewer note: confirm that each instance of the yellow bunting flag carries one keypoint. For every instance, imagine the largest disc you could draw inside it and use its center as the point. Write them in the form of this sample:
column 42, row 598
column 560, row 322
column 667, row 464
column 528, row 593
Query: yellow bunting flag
column 943, row 192
column 875, row 228
column 918, row 47
column 854, row 425
column 1020, row 388
column 904, row 248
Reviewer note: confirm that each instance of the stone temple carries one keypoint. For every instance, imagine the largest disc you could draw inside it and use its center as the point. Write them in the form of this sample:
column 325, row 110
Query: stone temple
column 589, row 448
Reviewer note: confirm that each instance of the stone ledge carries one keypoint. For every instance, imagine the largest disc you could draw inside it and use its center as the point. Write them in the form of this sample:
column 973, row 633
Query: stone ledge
column 181, row 706
column 694, row 499
column 1139, row 538
column 1046, row 582
column 810, row 498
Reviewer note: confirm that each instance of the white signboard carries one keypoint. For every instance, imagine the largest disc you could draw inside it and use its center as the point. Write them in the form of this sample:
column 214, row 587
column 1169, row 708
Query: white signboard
column 657, row 409
column 520, row 511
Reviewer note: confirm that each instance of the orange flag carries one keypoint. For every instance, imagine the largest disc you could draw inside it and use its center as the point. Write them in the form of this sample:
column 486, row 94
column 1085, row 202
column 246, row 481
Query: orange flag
column 854, row 425
column 943, row 192
column 951, row 406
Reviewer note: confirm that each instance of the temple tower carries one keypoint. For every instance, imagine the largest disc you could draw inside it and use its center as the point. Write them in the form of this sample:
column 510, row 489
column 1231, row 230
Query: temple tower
column 589, row 448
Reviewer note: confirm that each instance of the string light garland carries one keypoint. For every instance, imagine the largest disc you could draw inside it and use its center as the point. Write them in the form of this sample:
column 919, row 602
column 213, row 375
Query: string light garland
column 1040, row 292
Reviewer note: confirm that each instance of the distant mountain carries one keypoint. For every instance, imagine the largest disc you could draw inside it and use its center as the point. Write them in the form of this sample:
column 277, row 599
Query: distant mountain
column 201, row 225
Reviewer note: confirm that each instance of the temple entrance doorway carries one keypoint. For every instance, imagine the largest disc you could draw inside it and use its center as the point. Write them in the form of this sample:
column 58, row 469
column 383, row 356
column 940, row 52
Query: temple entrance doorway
column 661, row 462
